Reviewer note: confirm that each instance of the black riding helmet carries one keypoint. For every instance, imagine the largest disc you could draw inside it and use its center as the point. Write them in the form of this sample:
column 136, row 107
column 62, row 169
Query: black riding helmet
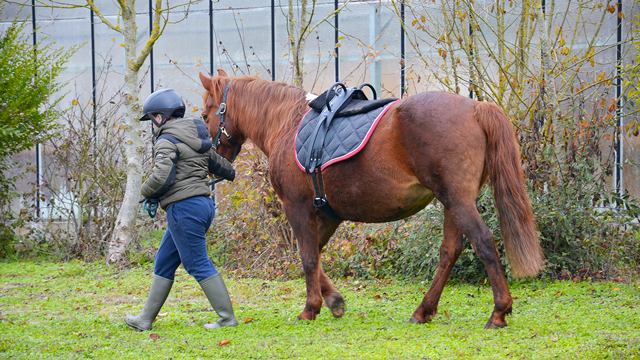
column 166, row 102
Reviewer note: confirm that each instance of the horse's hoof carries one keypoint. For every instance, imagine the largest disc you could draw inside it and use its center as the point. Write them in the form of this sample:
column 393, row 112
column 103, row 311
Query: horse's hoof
column 305, row 316
column 491, row 325
column 336, row 304
column 415, row 320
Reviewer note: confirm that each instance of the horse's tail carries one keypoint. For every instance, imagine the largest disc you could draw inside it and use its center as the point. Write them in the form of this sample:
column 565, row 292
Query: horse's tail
column 502, row 162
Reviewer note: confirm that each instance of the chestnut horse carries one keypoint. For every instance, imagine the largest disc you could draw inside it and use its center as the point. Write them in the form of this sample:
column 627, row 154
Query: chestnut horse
column 430, row 145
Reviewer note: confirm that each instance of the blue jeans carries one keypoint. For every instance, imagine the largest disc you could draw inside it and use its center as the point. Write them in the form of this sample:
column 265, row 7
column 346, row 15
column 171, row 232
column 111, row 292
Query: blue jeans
column 184, row 241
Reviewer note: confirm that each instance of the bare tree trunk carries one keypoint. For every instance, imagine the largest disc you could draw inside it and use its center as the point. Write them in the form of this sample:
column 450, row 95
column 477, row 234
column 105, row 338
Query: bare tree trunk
column 298, row 41
column 548, row 86
column 299, row 30
column 125, row 223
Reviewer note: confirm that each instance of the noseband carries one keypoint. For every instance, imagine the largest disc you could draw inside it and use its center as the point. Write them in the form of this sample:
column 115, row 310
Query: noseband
column 222, row 110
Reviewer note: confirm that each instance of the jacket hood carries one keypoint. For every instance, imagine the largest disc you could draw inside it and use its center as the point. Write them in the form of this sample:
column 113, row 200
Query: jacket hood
column 192, row 132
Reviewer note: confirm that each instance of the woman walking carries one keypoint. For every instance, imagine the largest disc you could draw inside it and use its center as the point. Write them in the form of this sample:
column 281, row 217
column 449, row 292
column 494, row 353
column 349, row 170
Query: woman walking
column 178, row 183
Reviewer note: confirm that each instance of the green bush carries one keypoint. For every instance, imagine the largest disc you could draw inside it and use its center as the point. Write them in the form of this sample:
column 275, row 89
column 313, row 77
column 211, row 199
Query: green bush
column 27, row 112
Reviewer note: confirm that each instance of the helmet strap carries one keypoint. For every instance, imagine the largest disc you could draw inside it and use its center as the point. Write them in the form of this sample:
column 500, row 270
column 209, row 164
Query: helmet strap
column 158, row 125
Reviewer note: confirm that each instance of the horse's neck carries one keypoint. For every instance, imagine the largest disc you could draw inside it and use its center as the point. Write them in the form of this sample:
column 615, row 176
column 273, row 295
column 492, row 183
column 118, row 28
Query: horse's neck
column 272, row 124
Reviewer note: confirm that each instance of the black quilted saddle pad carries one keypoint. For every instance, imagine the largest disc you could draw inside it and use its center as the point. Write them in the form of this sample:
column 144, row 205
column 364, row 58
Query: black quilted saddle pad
column 348, row 132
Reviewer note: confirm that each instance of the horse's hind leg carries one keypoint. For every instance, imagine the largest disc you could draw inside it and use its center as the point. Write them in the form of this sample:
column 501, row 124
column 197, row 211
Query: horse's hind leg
column 469, row 221
column 449, row 251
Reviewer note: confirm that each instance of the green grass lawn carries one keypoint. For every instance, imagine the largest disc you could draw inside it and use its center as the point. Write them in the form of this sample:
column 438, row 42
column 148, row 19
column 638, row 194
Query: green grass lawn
column 75, row 310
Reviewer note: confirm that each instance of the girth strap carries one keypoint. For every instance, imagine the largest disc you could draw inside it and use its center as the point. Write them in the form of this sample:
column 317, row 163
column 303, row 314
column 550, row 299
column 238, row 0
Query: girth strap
column 320, row 201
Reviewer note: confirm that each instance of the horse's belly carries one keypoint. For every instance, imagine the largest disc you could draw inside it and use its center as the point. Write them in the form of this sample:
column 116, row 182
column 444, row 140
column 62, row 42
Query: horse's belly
column 382, row 204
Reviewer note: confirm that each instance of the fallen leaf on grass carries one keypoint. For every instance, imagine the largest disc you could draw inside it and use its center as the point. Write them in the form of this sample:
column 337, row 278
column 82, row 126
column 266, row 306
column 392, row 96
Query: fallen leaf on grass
column 377, row 296
column 154, row 336
column 249, row 319
column 224, row 342
column 234, row 303
column 554, row 339
column 446, row 313
column 534, row 335
column 559, row 293
column 162, row 315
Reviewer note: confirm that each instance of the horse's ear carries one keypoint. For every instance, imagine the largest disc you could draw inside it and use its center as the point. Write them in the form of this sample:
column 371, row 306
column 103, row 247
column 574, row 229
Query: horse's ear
column 206, row 82
column 222, row 73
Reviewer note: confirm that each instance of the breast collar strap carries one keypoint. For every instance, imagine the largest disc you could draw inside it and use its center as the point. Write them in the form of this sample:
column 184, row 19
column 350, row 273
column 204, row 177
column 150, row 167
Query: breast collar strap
column 222, row 110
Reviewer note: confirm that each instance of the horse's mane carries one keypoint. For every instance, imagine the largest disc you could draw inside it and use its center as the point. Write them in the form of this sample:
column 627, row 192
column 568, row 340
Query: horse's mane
column 277, row 106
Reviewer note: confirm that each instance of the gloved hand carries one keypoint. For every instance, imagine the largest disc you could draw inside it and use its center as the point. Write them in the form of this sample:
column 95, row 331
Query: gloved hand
column 151, row 205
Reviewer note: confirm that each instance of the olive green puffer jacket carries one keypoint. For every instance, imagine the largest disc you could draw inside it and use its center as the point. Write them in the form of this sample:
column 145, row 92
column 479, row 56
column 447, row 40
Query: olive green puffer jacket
column 183, row 158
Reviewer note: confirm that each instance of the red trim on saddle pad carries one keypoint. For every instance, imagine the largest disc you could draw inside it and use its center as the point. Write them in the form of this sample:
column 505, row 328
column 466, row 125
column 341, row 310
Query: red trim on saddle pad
column 353, row 152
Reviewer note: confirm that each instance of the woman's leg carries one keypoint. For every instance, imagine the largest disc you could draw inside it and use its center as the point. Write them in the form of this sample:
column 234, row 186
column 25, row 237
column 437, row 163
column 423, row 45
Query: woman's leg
column 166, row 263
column 189, row 221
column 167, row 258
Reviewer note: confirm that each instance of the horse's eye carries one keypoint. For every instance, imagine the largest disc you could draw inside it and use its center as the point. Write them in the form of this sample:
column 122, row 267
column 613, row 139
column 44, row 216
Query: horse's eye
column 204, row 117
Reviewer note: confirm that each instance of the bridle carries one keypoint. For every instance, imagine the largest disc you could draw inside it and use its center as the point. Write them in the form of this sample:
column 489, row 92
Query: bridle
column 222, row 110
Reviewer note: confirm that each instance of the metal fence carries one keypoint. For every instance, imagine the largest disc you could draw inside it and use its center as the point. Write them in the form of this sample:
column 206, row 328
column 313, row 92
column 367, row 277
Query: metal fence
column 250, row 37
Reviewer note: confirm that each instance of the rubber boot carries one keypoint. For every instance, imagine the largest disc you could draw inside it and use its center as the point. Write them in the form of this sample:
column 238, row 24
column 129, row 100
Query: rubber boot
column 218, row 296
column 160, row 288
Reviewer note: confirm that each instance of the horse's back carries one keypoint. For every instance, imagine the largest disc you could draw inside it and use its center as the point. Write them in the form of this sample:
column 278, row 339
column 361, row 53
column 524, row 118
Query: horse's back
column 439, row 130
column 428, row 144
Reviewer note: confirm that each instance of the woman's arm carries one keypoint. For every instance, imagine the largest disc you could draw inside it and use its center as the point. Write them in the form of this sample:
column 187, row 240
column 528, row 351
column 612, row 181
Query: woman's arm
column 220, row 166
column 163, row 174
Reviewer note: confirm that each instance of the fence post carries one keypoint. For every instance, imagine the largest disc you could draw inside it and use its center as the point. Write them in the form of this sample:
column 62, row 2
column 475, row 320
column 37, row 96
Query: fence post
column 273, row 41
column 336, row 49
column 619, row 158
column 402, row 55
column 38, row 149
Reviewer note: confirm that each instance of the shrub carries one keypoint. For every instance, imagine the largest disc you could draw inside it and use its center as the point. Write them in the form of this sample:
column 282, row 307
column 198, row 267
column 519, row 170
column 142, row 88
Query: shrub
column 27, row 112
column 83, row 180
column 250, row 233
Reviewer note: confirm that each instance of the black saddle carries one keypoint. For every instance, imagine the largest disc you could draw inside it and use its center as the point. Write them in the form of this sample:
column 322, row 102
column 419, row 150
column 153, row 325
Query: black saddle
column 322, row 140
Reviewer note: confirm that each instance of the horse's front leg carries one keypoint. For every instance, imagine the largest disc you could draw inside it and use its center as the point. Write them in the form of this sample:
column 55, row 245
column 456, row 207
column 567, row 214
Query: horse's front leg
column 312, row 233
column 331, row 296
column 310, row 257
